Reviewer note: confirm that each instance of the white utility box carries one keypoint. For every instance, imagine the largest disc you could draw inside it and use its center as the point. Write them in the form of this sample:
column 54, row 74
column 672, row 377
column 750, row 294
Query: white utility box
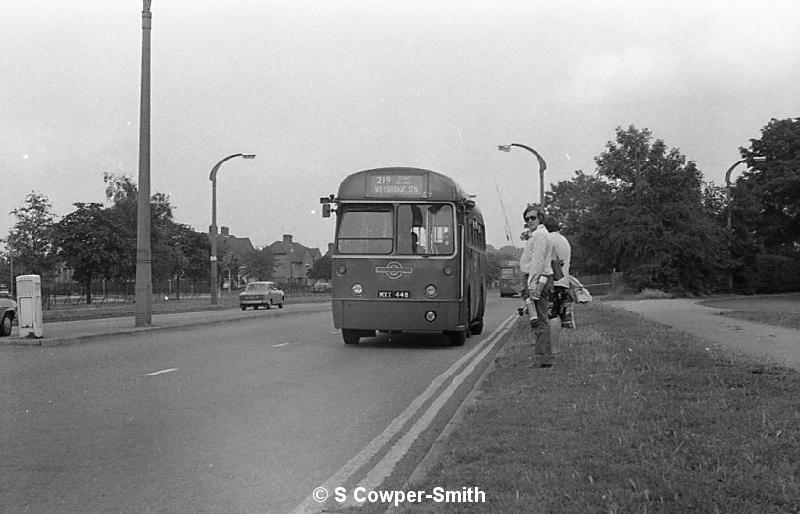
column 29, row 306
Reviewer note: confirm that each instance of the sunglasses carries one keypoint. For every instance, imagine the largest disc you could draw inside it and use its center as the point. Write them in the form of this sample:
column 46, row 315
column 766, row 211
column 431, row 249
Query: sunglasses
column 530, row 218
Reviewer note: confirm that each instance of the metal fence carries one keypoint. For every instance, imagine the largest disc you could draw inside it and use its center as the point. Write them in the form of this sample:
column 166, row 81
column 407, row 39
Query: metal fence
column 55, row 294
column 601, row 284
column 109, row 292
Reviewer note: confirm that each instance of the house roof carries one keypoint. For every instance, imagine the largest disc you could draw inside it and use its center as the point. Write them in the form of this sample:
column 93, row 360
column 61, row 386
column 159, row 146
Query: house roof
column 295, row 250
column 239, row 246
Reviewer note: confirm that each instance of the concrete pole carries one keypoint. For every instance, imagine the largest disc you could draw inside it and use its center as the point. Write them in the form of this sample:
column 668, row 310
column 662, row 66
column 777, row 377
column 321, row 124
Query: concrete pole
column 144, row 283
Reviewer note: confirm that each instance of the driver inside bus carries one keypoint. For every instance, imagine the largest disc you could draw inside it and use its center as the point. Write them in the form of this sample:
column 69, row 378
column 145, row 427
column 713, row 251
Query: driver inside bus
column 416, row 248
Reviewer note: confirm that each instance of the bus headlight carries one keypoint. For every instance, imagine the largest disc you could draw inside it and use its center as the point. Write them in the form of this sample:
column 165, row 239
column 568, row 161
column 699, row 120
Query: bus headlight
column 430, row 316
column 431, row 291
column 357, row 289
column 447, row 270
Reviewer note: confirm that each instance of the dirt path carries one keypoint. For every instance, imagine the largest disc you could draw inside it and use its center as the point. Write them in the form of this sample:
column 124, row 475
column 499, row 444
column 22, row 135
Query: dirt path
column 770, row 343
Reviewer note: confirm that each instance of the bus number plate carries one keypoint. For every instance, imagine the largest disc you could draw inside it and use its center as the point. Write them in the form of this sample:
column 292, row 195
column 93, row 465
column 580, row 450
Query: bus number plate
column 394, row 294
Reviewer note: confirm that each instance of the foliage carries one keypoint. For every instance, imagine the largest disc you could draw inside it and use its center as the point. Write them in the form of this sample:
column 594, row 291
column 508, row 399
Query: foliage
column 767, row 195
column 195, row 251
column 579, row 203
column 260, row 264
column 176, row 249
column 322, row 269
column 494, row 260
column 230, row 264
column 642, row 214
column 90, row 243
column 29, row 241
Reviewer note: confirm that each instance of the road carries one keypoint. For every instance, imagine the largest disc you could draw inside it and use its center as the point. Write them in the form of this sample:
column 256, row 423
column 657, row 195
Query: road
column 248, row 416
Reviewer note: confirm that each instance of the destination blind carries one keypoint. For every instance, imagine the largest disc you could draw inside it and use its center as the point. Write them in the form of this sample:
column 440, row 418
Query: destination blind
column 395, row 185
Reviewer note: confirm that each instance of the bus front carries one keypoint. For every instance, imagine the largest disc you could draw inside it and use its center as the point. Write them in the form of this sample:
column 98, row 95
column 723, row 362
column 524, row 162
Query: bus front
column 397, row 262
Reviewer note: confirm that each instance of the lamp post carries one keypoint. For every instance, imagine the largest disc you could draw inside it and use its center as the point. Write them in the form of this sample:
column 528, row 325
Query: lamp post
column 144, row 283
column 729, row 204
column 728, row 194
column 729, row 189
column 212, row 230
column 542, row 165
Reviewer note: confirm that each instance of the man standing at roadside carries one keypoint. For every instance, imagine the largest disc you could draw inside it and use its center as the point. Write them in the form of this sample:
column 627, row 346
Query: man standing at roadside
column 535, row 262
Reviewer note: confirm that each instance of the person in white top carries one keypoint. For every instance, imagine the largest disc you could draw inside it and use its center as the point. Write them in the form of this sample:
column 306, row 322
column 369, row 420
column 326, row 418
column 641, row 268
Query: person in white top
column 536, row 264
column 560, row 298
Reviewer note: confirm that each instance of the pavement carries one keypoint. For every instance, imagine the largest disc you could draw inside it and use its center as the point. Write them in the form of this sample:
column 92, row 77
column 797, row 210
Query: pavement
column 70, row 332
column 769, row 343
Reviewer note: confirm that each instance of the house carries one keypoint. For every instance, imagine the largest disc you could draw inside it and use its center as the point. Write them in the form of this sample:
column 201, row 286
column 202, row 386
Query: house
column 292, row 261
column 237, row 247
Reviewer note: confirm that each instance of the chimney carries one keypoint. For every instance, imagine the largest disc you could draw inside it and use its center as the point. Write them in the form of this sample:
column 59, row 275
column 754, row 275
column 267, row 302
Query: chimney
column 330, row 248
column 225, row 231
column 287, row 238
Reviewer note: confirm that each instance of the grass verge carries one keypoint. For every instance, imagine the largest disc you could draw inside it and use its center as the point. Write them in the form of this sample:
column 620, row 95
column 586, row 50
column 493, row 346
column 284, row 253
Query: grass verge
column 634, row 417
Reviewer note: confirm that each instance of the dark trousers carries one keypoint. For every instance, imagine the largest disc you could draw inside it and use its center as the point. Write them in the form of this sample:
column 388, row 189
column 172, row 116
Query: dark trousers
column 541, row 332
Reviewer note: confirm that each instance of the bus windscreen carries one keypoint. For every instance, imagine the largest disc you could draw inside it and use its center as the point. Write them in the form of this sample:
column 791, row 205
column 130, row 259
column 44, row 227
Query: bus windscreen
column 421, row 229
column 366, row 230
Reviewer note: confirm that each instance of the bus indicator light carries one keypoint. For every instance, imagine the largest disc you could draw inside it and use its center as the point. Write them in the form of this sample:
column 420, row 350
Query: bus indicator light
column 341, row 269
column 430, row 316
column 447, row 270
column 431, row 291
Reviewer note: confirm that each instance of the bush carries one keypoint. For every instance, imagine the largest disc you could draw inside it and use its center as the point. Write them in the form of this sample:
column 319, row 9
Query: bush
column 775, row 274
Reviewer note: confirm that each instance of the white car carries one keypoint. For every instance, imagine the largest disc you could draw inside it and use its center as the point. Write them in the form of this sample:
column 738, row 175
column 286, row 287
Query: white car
column 8, row 311
column 257, row 294
column 321, row 286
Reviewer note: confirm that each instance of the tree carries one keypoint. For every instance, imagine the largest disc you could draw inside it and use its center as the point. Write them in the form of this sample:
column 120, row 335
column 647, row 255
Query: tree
column 89, row 242
column 230, row 264
column 322, row 269
column 767, row 195
column 167, row 258
column 196, row 252
column 643, row 214
column 579, row 204
column 261, row 264
column 30, row 239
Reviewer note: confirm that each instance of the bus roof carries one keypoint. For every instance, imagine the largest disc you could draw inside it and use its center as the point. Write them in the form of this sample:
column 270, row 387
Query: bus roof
column 401, row 183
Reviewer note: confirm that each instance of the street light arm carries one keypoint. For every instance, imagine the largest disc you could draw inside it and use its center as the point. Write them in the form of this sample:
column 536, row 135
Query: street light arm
column 542, row 164
column 213, row 175
column 728, row 173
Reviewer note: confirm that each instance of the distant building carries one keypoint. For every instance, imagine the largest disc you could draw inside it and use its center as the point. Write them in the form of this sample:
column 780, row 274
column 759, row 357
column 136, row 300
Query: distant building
column 292, row 261
column 239, row 247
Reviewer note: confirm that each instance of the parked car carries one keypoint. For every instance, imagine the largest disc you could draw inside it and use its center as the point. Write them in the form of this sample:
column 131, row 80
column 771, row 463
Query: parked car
column 321, row 287
column 257, row 294
column 8, row 312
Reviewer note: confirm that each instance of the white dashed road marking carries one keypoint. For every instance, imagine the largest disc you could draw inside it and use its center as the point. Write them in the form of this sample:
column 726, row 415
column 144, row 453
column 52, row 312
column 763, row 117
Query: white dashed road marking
column 160, row 372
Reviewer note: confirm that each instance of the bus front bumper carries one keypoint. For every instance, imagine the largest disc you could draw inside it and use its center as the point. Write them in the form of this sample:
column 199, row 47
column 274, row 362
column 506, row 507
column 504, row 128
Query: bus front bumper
column 402, row 315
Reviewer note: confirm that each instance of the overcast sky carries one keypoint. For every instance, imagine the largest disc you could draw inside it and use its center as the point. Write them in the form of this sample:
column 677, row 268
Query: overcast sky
column 321, row 89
